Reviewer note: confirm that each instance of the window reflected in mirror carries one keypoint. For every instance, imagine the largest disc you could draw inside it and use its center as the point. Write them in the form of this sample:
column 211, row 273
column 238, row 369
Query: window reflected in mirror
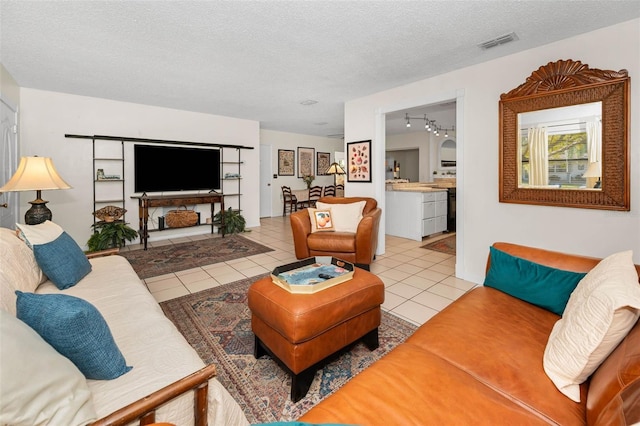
column 561, row 147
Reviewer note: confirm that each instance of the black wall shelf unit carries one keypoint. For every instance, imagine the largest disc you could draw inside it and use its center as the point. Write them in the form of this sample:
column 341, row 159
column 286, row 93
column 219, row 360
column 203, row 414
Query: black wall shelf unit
column 104, row 188
column 231, row 186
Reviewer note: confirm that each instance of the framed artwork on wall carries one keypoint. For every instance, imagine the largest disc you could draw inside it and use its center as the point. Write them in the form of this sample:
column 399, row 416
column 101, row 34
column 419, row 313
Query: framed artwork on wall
column 359, row 161
column 286, row 162
column 323, row 161
column 305, row 161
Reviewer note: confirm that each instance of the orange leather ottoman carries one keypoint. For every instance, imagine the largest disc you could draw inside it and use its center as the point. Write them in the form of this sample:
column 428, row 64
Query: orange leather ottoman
column 300, row 331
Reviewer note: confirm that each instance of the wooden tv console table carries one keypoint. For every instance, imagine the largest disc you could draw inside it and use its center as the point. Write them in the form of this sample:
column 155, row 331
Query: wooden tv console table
column 146, row 201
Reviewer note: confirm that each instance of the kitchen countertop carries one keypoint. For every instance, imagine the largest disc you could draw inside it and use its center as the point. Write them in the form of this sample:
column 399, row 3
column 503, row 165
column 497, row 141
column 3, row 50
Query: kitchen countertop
column 420, row 186
column 419, row 189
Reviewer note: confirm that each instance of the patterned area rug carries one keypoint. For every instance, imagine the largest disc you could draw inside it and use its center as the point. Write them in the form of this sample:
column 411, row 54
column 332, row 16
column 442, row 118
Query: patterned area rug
column 217, row 323
column 445, row 245
column 178, row 257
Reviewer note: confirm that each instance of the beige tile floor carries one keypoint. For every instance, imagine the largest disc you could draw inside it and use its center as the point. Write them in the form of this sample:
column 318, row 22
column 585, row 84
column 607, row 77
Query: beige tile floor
column 418, row 282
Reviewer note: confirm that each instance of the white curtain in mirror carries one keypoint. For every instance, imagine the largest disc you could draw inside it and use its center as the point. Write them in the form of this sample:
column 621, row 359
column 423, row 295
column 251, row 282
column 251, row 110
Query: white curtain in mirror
column 594, row 140
column 538, row 156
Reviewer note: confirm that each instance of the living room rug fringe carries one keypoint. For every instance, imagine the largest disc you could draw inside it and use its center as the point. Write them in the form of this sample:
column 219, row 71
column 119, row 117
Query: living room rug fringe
column 178, row 257
column 217, row 323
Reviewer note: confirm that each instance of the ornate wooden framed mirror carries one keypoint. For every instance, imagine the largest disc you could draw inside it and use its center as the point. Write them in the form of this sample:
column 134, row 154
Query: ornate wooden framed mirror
column 564, row 138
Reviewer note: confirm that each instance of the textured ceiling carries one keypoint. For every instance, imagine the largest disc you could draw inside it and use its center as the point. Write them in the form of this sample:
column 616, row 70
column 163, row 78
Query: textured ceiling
column 260, row 60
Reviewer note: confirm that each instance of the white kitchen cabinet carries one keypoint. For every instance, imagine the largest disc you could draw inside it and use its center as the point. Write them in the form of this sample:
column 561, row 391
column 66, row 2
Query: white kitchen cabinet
column 414, row 214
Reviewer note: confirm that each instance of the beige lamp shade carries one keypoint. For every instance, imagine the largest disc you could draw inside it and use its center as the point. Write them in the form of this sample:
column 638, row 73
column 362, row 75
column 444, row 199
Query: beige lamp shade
column 33, row 174
column 335, row 169
column 594, row 170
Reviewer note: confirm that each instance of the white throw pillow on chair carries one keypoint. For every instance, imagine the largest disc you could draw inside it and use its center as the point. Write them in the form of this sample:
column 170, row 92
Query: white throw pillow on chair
column 346, row 217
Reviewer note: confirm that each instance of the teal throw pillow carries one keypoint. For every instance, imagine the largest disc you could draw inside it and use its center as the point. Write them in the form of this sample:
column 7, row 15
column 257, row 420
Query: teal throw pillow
column 76, row 329
column 540, row 285
column 62, row 260
column 57, row 254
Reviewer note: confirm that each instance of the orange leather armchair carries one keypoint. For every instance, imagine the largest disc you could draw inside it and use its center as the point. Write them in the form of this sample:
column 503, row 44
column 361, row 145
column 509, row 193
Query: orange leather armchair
column 359, row 248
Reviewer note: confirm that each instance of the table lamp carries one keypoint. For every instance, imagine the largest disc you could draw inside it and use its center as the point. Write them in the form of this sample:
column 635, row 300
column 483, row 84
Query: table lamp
column 35, row 174
column 594, row 170
column 335, row 169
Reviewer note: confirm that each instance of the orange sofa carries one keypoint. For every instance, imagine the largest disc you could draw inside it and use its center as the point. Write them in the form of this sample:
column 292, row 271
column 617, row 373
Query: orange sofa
column 480, row 361
column 358, row 248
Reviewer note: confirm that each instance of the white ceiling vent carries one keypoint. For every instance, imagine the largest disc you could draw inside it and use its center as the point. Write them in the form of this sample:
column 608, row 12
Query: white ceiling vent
column 507, row 38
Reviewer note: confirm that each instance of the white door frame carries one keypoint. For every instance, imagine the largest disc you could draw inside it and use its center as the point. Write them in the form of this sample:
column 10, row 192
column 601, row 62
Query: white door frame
column 9, row 159
column 266, row 189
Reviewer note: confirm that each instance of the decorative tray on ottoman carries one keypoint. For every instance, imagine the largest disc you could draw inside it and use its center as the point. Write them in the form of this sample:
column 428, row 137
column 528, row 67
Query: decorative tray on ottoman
column 311, row 275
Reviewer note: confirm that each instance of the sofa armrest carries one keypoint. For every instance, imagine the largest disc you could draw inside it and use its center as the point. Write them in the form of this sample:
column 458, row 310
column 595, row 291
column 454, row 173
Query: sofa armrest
column 144, row 409
column 367, row 236
column 107, row 252
column 301, row 227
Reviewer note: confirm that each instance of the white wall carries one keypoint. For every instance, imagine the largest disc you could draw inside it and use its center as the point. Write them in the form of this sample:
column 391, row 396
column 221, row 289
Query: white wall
column 407, row 163
column 47, row 116
column 291, row 141
column 413, row 140
column 9, row 90
column 482, row 219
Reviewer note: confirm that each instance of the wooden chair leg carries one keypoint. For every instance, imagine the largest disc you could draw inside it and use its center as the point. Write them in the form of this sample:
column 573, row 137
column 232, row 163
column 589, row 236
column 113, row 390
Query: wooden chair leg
column 292, row 207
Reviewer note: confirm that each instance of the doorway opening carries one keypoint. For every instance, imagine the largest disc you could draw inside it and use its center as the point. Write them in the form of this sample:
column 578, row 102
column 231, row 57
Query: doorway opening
column 418, row 114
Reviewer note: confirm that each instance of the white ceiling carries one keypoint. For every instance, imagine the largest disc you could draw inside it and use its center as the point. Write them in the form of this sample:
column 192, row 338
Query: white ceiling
column 259, row 60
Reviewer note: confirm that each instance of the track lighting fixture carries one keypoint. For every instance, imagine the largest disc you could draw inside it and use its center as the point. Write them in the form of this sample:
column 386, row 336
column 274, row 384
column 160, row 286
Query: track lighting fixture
column 429, row 125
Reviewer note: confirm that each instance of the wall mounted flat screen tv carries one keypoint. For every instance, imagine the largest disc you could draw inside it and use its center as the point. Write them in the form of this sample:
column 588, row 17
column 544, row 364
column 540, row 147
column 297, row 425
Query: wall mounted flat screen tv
column 168, row 168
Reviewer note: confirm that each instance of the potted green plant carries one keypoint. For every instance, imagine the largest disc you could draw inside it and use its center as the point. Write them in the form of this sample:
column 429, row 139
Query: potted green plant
column 233, row 221
column 110, row 234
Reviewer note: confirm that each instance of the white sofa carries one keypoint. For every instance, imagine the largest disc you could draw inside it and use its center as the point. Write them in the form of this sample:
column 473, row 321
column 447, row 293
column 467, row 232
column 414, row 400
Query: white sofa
column 150, row 343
